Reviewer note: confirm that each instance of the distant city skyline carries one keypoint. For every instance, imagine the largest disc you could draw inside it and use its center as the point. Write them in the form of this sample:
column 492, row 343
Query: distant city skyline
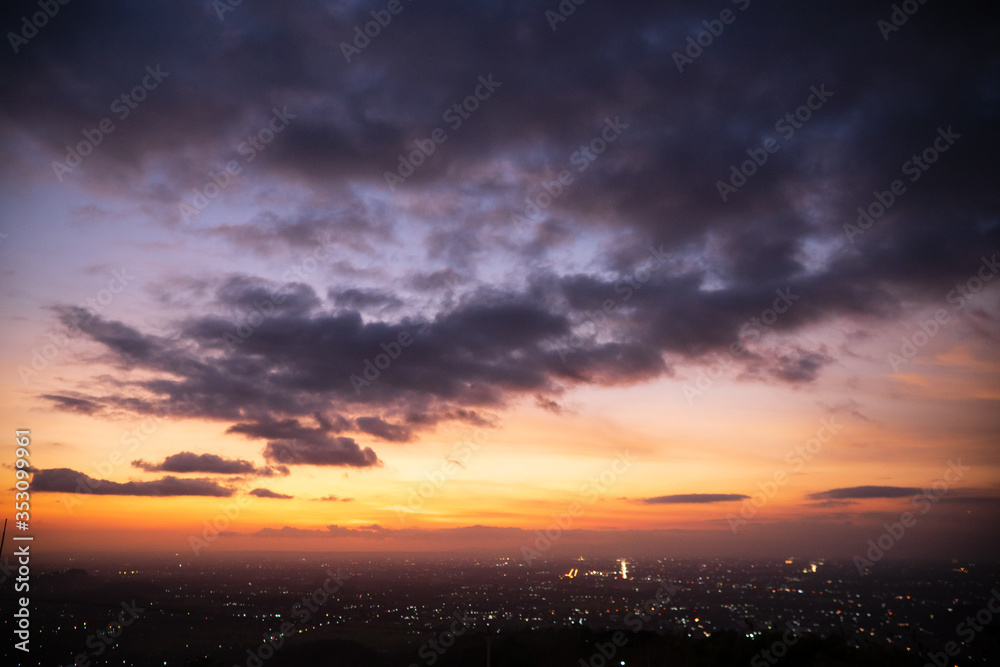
column 379, row 610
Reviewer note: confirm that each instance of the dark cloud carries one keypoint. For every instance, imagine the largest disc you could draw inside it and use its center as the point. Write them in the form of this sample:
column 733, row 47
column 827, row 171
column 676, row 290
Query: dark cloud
column 332, row 499
column 292, row 443
column 792, row 365
column 863, row 492
column 445, row 279
column 315, row 232
column 800, row 366
column 338, row 451
column 267, row 493
column 384, row 430
column 832, row 503
column 357, row 299
column 64, row 480
column 696, row 498
column 279, row 382
column 71, row 404
column 128, row 344
column 472, row 417
column 273, row 471
column 658, row 179
column 550, row 405
column 190, row 462
column 494, row 313
column 247, row 294
column 847, row 407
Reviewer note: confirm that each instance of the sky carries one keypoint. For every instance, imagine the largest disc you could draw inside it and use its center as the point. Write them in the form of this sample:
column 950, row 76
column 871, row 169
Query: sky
column 706, row 279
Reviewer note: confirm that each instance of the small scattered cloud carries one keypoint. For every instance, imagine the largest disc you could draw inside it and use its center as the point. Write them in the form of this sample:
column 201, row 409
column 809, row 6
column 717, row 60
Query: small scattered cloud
column 865, row 492
column 382, row 429
column 832, row 503
column 72, row 404
column 694, row 498
column 849, row 407
column 550, row 405
column 65, row 480
column 185, row 462
column 267, row 493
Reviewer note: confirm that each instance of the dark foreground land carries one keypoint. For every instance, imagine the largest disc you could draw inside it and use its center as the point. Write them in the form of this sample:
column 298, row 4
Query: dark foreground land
column 365, row 611
column 525, row 648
